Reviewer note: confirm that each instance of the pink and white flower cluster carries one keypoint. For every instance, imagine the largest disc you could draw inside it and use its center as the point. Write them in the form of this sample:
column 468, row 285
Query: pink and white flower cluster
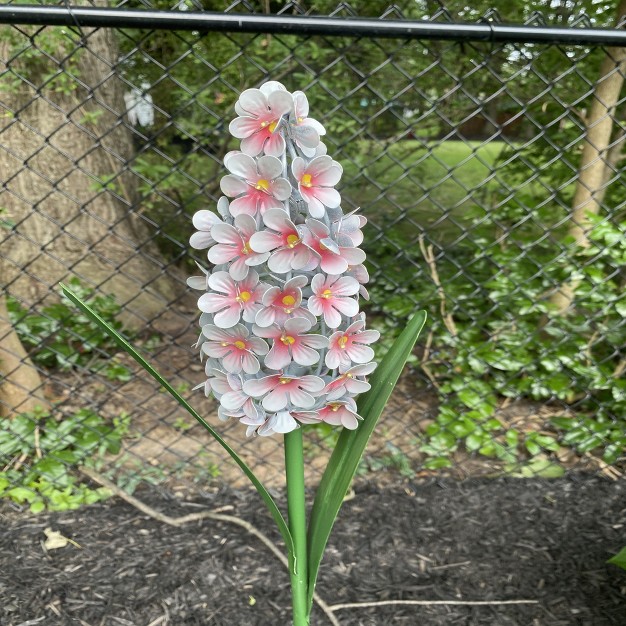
column 284, row 341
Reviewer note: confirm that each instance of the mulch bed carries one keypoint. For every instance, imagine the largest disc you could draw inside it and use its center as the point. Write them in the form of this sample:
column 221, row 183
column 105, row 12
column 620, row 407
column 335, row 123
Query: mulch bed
column 478, row 540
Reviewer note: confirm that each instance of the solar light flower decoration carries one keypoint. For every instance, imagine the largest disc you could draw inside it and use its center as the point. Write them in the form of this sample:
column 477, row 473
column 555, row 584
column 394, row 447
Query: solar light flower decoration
column 284, row 343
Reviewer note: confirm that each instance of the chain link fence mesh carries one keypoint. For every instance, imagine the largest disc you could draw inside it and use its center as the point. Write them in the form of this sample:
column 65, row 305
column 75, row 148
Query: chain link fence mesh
column 492, row 179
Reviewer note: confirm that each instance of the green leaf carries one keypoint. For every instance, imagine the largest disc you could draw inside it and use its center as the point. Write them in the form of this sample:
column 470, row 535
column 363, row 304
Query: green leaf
column 347, row 454
column 267, row 498
column 619, row 559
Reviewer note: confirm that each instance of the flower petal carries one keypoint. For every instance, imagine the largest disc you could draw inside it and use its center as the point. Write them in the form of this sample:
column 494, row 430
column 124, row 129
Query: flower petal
column 242, row 127
column 278, row 357
column 232, row 186
column 280, row 261
column 212, row 302
column 201, row 240
column 222, row 253
column 254, row 144
column 276, row 399
column 359, row 353
column 347, row 306
column 265, row 241
column 269, row 167
column 274, row 145
column 281, row 189
column 328, row 196
column 257, row 388
column 253, row 101
column 303, row 355
column 250, row 363
column 345, row 286
column 221, row 281
column 243, row 166
column 301, row 398
column 332, row 317
column 333, row 264
column 281, row 102
column 228, row 317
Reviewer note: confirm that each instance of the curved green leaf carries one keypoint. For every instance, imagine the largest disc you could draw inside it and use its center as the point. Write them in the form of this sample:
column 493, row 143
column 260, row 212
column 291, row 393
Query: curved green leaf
column 271, row 505
column 351, row 444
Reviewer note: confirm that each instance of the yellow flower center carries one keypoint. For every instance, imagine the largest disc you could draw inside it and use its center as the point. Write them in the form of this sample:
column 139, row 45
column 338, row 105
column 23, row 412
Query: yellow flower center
column 306, row 180
column 240, row 345
column 273, row 126
column 288, row 340
column 334, row 407
column 243, row 296
column 322, row 247
column 284, row 381
column 246, row 248
column 327, row 293
column 293, row 240
column 300, row 120
column 343, row 340
column 262, row 184
column 288, row 300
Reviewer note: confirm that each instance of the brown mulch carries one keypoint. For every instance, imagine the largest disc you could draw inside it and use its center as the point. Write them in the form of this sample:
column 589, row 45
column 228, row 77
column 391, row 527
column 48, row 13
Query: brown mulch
column 476, row 540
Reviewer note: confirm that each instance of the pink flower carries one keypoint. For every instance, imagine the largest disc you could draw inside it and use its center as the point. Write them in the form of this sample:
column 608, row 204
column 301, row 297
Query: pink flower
column 281, row 422
column 234, row 347
column 350, row 225
column 278, row 390
column 291, row 343
column 315, row 183
column 291, row 253
column 279, row 304
column 261, row 114
column 345, row 348
column 234, row 243
column 360, row 274
column 349, row 381
column 199, row 282
column 203, row 221
column 236, row 400
column 305, row 130
column 331, row 297
column 341, row 414
column 255, row 185
column 334, row 259
column 215, row 383
column 240, row 298
column 286, row 421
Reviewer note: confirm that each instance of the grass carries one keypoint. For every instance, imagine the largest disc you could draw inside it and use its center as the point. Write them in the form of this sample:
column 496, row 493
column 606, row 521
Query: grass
column 430, row 183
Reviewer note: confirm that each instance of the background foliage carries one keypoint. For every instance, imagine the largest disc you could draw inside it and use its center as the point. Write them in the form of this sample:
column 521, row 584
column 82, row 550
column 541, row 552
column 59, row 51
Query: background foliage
column 464, row 157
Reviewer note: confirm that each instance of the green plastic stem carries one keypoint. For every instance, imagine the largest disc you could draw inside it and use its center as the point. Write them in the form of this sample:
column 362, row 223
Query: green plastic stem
column 296, row 507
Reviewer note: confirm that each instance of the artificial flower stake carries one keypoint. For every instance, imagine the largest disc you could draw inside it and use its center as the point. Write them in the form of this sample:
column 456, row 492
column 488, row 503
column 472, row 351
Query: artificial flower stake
column 284, row 342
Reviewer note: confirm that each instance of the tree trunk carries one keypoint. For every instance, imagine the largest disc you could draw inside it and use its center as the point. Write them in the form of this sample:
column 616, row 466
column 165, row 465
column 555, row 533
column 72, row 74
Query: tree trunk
column 64, row 153
column 64, row 150
column 592, row 173
column 21, row 388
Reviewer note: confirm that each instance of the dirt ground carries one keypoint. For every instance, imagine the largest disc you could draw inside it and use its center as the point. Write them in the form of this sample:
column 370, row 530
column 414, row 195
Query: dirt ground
column 542, row 544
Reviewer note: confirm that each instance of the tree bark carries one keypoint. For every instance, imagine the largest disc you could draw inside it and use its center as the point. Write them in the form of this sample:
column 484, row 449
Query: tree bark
column 64, row 150
column 67, row 188
column 592, row 174
column 21, row 388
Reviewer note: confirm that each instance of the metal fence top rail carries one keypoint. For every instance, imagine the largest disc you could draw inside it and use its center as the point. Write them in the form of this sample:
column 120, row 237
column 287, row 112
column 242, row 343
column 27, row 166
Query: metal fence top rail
column 309, row 25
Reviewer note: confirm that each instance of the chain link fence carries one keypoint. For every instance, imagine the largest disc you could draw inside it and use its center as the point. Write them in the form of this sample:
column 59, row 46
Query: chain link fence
column 491, row 173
